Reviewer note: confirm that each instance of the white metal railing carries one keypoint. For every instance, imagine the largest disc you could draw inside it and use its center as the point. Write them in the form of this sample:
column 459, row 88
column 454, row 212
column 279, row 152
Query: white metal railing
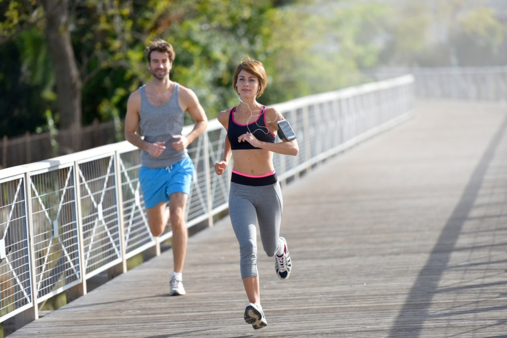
column 69, row 218
column 463, row 83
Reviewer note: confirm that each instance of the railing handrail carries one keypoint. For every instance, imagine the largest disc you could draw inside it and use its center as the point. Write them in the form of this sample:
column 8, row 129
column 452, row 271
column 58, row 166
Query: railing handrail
column 461, row 83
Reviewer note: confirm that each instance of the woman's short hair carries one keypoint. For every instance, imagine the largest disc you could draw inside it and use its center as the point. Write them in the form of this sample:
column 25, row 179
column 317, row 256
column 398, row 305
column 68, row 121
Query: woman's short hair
column 162, row 46
column 255, row 68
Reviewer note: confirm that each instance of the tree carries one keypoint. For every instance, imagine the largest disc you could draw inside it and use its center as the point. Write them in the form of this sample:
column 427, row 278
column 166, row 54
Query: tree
column 68, row 81
column 53, row 17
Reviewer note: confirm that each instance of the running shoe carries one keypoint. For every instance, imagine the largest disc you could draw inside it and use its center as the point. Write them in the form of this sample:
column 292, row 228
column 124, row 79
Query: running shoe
column 176, row 287
column 255, row 316
column 283, row 263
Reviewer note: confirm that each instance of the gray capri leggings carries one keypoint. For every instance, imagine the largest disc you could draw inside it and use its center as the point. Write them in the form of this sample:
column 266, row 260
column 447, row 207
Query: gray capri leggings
column 247, row 205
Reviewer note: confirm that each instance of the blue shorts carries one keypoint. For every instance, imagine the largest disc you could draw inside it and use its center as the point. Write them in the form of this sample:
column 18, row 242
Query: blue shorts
column 159, row 183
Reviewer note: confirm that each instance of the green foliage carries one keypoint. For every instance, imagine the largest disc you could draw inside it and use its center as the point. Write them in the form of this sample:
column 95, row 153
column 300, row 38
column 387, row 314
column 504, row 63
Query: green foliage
column 16, row 16
column 306, row 46
column 26, row 74
column 209, row 37
column 25, row 83
column 343, row 36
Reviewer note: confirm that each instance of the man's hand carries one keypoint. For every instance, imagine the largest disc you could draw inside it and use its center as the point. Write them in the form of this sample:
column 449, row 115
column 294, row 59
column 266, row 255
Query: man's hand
column 155, row 149
column 220, row 167
column 181, row 142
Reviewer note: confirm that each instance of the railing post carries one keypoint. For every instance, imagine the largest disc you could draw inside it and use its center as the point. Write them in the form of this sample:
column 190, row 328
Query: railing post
column 80, row 289
column 341, row 116
column 32, row 313
column 308, row 147
column 317, row 111
column 335, row 115
column 339, row 122
column 357, row 114
column 121, row 267
column 207, row 170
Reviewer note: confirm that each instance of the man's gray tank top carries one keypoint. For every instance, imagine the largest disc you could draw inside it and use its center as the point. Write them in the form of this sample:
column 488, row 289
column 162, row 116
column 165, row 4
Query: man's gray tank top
column 160, row 124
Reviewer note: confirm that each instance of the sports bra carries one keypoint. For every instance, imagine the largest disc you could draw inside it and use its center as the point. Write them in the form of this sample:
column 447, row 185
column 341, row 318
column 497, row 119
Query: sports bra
column 258, row 128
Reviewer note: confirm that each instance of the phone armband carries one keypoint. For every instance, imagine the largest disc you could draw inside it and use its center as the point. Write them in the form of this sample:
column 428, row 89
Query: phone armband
column 285, row 131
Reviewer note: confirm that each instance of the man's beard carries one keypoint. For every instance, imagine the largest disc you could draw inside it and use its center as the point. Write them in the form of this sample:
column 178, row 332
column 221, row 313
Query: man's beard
column 159, row 76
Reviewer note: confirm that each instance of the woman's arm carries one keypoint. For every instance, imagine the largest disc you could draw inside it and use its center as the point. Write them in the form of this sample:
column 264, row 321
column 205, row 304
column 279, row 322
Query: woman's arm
column 220, row 166
column 285, row 147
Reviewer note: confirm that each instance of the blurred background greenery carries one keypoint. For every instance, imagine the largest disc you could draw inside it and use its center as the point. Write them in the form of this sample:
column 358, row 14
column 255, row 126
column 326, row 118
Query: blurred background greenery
column 70, row 62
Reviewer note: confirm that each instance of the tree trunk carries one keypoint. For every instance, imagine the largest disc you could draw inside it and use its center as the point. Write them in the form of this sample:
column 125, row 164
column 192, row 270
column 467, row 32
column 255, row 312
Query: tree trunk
column 68, row 81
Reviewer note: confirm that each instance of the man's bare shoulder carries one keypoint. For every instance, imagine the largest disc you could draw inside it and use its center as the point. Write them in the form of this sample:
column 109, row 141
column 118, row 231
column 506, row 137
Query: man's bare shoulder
column 186, row 93
column 134, row 100
column 135, row 96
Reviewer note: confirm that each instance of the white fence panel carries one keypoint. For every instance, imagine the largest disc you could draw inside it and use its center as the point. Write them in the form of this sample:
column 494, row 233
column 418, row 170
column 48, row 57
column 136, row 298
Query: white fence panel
column 462, row 83
column 55, row 230
column 15, row 283
column 137, row 231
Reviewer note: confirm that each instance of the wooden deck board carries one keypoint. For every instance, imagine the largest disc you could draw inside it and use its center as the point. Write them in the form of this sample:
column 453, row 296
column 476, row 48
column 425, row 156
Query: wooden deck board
column 404, row 236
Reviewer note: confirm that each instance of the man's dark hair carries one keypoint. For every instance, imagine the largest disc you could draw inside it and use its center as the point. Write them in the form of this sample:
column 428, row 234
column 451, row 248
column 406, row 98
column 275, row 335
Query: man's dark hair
column 162, row 46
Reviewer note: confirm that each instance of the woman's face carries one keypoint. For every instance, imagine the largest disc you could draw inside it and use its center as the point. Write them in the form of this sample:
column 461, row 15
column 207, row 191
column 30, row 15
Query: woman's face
column 247, row 84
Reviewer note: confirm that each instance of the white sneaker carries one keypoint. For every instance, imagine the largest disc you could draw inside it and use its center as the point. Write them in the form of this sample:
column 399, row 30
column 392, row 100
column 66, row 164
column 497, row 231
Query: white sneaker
column 255, row 316
column 176, row 287
column 283, row 263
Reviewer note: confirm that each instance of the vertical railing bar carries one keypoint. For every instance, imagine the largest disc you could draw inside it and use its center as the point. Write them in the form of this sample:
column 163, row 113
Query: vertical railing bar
column 207, row 169
column 306, row 130
column 119, row 205
column 82, row 289
column 33, row 313
column 319, row 137
column 338, row 122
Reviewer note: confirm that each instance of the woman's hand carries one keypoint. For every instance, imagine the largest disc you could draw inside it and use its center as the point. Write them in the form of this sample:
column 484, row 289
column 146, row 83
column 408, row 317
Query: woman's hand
column 248, row 137
column 220, row 167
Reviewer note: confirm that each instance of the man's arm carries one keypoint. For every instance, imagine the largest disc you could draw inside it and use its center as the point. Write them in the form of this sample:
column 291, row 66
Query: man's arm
column 191, row 104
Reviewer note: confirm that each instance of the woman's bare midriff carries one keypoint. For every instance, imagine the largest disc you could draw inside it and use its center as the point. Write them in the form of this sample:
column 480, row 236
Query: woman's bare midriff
column 253, row 161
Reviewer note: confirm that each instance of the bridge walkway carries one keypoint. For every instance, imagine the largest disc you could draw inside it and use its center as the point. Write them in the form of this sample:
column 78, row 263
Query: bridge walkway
column 403, row 236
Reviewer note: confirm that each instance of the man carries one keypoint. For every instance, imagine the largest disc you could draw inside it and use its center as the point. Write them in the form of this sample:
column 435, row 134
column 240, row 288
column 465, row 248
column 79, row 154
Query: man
column 166, row 172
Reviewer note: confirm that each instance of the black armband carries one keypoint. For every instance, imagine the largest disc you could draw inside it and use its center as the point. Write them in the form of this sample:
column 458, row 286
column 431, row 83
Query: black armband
column 285, row 130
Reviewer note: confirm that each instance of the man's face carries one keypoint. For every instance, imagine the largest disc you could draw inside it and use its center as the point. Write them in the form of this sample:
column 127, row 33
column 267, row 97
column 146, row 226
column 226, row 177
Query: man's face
column 159, row 65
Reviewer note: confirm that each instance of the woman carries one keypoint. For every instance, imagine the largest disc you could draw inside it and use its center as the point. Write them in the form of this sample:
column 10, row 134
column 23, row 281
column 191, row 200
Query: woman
column 255, row 193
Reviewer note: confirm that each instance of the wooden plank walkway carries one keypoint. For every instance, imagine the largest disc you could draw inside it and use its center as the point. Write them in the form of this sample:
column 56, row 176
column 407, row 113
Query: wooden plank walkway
column 404, row 236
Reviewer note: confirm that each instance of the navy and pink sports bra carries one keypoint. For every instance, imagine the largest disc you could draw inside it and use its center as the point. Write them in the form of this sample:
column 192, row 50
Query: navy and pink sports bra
column 258, row 128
